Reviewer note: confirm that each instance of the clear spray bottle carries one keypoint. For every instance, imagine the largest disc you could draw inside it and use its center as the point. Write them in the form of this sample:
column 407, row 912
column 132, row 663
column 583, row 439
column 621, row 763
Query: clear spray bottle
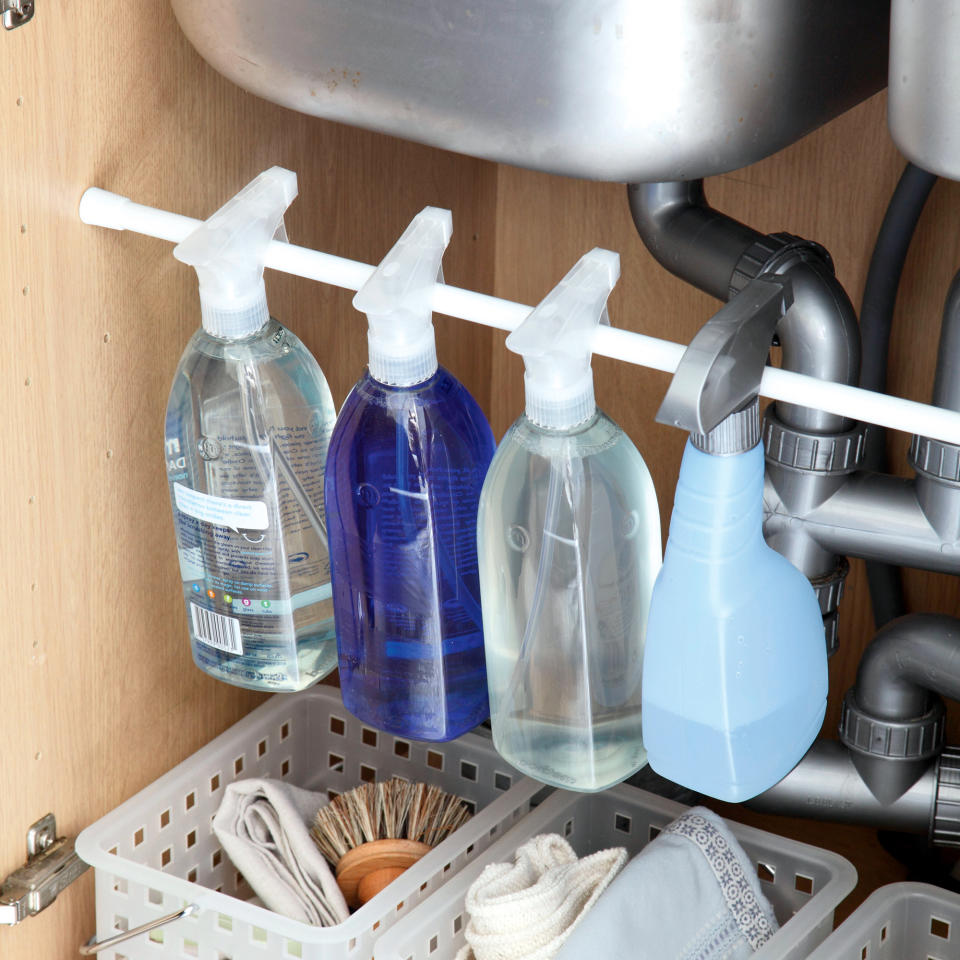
column 247, row 429
column 569, row 542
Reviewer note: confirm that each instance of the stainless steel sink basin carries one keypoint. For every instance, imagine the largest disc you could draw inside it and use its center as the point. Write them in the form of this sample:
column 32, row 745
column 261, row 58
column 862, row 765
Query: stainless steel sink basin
column 630, row 90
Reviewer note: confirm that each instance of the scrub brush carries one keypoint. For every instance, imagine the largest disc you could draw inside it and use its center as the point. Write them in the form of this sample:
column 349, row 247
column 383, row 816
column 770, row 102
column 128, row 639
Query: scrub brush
column 371, row 834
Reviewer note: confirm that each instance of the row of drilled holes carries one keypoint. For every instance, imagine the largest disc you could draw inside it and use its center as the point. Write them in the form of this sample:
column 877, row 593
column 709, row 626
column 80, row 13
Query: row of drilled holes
column 435, row 760
column 468, row 771
column 191, row 948
column 216, row 858
column 938, row 928
column 765, row 871
column 401, row 748
column 215, row 782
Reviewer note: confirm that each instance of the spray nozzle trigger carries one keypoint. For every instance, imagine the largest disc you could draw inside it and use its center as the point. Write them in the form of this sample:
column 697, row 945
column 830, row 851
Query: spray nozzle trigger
column 723, row 365
column 398, row 301
column 556, row 341
column 228, row 251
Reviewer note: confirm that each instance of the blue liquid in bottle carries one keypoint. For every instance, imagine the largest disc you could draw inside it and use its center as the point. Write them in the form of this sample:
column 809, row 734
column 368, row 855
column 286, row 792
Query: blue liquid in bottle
column 404, row 473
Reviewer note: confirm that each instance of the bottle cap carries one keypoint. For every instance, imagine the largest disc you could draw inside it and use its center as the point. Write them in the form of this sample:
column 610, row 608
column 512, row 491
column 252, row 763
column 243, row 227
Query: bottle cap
column 228, row 252
column 556, row 341
column 736, row 433
column 398, row 302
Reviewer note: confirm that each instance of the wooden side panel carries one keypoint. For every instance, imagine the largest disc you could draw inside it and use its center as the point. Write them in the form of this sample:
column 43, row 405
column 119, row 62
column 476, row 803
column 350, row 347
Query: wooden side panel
column 97, row 690
column 833, row 187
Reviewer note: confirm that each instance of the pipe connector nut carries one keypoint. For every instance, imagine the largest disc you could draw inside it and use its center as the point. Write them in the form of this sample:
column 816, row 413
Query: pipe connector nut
column 945, row 828
column 935, row 458
column 829, row 587
column 829, row 591
column 918, row 739
column 834, row 454
column 769, row 253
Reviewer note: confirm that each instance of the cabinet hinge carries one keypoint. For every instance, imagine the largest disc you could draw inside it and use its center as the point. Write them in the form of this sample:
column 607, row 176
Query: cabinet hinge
column 52, row 864
column 16, row 13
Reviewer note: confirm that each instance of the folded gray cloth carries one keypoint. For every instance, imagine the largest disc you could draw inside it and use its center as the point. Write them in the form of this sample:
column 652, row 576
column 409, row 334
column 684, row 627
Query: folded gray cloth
column 691, row 894
column 263, row 826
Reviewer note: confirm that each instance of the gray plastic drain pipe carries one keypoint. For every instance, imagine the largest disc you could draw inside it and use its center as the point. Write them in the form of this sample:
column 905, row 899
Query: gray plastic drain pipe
column 891, row 769
column 825, row 785
column 876, row 323
column 720, row 255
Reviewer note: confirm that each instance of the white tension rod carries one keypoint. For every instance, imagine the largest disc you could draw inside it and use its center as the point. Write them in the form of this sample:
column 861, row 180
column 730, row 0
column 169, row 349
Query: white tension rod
column 105, row 209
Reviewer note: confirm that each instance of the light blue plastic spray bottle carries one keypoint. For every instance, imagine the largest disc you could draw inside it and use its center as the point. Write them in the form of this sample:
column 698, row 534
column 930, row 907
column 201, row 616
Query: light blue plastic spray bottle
column 735, row 667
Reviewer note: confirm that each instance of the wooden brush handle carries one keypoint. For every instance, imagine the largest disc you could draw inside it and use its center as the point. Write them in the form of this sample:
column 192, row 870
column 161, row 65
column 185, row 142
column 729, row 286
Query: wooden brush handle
column 375, row 881
column 387, row 858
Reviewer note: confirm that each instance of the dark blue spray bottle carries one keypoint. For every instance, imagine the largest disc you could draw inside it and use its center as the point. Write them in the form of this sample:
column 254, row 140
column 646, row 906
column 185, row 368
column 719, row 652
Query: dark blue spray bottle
column 405, row 468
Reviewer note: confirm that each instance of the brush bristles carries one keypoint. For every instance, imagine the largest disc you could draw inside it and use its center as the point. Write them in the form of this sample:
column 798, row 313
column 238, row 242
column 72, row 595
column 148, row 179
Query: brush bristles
column 393, row 809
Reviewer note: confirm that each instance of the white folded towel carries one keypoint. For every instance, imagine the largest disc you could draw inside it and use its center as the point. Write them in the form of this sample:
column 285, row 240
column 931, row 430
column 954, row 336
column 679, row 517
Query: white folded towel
column 263, row 826
column 691, row 894
column 526, row 910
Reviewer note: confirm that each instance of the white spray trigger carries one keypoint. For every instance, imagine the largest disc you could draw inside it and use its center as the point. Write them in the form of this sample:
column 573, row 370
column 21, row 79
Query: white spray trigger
column 228, row 251
column 556, row 341
column 398, row 301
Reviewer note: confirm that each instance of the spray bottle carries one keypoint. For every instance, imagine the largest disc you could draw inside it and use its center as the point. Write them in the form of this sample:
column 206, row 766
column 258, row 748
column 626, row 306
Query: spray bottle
column 735, row 670
column 569, row 539
column 407, row 461
column 247, row 429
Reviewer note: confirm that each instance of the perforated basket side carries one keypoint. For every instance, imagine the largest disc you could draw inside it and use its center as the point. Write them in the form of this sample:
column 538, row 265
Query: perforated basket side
column 901, row 921
column 157, row 851
column 803, row 883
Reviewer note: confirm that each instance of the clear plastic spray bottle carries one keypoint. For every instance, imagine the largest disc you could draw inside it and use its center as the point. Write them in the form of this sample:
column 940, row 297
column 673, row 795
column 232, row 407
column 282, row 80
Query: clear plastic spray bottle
column 569, row 540
column 247, row 428
column 407, row 461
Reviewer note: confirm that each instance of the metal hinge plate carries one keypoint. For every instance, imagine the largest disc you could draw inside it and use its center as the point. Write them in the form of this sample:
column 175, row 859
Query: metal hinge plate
column 15, row 13
column 52, row 865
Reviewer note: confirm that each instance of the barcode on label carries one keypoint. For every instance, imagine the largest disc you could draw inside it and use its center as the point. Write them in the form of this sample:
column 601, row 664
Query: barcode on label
column 216, row 630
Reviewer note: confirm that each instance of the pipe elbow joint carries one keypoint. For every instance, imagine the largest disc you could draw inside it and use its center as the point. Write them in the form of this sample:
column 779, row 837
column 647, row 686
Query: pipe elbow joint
column 686, row 236
column 907, row 661
column 820, row 334
column 892, row 721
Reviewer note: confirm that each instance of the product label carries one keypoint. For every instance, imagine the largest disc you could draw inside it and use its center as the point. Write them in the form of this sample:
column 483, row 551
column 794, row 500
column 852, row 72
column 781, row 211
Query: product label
column 248, row 511
column 216, row 630
column 224, row 512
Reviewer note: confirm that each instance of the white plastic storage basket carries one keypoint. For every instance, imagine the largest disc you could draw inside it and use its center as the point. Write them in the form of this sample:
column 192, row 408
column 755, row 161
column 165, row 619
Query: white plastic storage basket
column 803, row 883
column 157, row 852
column 902, row 921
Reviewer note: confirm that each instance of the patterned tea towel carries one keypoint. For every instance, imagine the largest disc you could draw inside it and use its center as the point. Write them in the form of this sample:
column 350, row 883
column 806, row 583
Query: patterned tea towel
column 525, row 910
column 691, row 894
column 263, row 826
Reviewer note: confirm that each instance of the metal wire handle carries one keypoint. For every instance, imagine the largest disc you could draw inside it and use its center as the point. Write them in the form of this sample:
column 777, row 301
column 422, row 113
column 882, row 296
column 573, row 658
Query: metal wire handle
column 90, row 949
